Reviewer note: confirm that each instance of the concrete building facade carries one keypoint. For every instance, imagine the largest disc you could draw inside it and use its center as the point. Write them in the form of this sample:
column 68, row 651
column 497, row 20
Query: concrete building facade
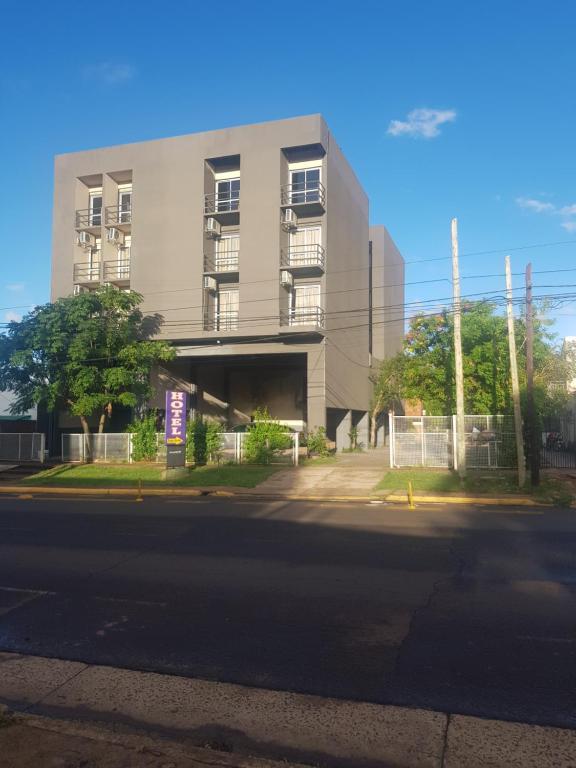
column 253, row 245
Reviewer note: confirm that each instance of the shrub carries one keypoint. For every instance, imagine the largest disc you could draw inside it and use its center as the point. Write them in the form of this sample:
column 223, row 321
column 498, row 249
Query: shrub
column 203, row 441
column 144, row 445
column 214, row 441
column 317, row 442
column 265, row 438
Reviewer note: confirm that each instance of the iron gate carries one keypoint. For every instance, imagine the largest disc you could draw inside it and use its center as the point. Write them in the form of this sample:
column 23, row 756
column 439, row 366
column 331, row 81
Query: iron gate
column 558, row 446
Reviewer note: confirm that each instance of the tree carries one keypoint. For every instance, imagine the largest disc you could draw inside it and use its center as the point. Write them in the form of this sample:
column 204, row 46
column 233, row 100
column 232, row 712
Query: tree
column 429, row 363
column 85, row 354
column 387, row 382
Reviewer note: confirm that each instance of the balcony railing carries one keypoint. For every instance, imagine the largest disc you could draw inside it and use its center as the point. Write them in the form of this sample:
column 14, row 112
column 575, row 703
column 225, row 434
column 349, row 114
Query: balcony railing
column 303, row 316
column 222, row 262
column 221, row 202
column 88, row 218
column 303, row 193
column 117, row 271
column 117, row 214
column 303, row 256
column 87, row 272
column 222, row 321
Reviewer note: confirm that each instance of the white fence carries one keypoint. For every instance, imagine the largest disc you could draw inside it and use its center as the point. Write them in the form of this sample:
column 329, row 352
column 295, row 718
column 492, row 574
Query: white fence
column 22, row 446
column 117, row 447
column 430, row 441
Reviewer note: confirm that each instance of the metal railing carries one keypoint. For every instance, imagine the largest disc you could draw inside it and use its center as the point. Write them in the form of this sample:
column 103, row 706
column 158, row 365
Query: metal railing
column 303, row 256
column 87, row 272
column 302, row 193
column 222, row 321
column 221, row 202
column 117, row 271
column 88, row 217
column 227, row 261
column 303, row 316
column 118, row 214
column 22, row 446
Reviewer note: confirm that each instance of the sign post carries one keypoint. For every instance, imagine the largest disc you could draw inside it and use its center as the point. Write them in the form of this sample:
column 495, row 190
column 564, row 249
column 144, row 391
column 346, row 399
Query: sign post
column 176, row 415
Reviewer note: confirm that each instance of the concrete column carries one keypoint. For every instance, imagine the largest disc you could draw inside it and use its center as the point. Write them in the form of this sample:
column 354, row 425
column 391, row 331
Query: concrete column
column 363, row 426
column 342, row 430
column 316, row 393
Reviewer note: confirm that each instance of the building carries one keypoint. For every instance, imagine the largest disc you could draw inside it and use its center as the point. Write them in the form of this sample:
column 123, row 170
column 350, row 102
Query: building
column 253, row 245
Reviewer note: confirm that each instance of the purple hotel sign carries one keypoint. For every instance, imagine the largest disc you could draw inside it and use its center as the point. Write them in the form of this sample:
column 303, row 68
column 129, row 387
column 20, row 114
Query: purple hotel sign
column 176, row 413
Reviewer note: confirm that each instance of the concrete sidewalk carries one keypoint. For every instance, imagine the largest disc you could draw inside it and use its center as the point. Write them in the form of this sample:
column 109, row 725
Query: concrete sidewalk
column 260, row 724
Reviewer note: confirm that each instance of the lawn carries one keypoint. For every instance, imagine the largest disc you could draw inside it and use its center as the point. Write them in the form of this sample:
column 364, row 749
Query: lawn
column 128, row 475
column 492, row 483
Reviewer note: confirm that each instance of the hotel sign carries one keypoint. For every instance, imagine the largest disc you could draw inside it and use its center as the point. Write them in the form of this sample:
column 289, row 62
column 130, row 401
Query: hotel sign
column 176, row 413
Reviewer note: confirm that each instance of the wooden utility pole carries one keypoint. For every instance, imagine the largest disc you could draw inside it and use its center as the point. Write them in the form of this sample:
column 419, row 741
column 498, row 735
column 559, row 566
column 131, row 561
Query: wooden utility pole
column 459, row 371
column 533, row 438
column 514, row 378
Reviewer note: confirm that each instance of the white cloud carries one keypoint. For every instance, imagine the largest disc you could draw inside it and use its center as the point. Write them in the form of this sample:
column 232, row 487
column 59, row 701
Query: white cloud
column 535, row 205
column 565, row 212
column 422, row 123
column 15, row 287
column 109, row 73
column 12, row 317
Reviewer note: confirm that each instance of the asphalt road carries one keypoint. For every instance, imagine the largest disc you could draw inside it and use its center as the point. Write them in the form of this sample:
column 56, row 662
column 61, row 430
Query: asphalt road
column 468, row 611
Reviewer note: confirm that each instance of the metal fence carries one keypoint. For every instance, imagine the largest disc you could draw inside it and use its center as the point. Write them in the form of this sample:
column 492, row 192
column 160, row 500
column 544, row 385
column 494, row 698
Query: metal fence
column 22, row 446
column 430, row 441
column 111, row 447
column 490, row 442
column 423, row 441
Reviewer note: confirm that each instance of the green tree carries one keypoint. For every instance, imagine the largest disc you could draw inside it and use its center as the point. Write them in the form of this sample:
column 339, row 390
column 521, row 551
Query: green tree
column 387, row 392
column 85, row 354
column 265, row 438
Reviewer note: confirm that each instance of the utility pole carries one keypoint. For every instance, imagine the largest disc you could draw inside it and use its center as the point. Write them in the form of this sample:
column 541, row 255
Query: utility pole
column 514, row 378
column 460, row 429
column 533, row 441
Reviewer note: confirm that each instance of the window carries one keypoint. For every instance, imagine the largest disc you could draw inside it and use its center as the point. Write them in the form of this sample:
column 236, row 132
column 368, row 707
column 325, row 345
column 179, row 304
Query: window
column 124, row 258
column 125, row 204
column 305, row 304
column 227, row 252
column 94, row 260
column 305, row 185
column 226, row 309
column 305, row 245
column 228, row 195
column 95, row 207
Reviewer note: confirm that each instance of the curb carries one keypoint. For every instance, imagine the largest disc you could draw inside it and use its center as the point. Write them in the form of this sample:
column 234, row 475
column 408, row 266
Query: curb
column 30, row 491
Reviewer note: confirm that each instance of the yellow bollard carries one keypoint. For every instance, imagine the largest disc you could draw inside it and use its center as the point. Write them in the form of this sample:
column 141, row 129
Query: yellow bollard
column 139, row 497
column 411, row 504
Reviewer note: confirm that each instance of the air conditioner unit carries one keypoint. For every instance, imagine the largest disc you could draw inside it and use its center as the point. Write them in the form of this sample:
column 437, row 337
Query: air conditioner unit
column 286, row 279
column 85, row 240
column 212, row 227
column 210, row 284
column 289, row 220
column 114, row 235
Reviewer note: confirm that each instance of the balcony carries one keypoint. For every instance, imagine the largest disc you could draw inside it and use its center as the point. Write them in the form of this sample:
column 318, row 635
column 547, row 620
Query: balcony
column 117, row 272
column 303, row 316
column 304, row 258
column 89, row 220
column 118, row 216
column 216, row 263
column 86, row 273
column 222, row 321
column 225, row 207
column 306, row 198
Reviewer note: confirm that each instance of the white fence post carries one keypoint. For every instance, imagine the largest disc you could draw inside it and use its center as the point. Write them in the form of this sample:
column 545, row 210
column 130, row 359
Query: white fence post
column 454, row 442
column 391, row 437
column 296, row 444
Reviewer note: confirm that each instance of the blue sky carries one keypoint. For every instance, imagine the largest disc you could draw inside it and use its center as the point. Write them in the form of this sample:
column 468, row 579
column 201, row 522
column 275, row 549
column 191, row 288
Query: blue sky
column 443, row 108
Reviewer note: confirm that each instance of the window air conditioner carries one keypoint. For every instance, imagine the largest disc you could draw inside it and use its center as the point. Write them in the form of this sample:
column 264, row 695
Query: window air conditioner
column 286, row 279
column 114, row 235
column 289, row 219
column 212, row 227
column 85, row 240
column 210, row 284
